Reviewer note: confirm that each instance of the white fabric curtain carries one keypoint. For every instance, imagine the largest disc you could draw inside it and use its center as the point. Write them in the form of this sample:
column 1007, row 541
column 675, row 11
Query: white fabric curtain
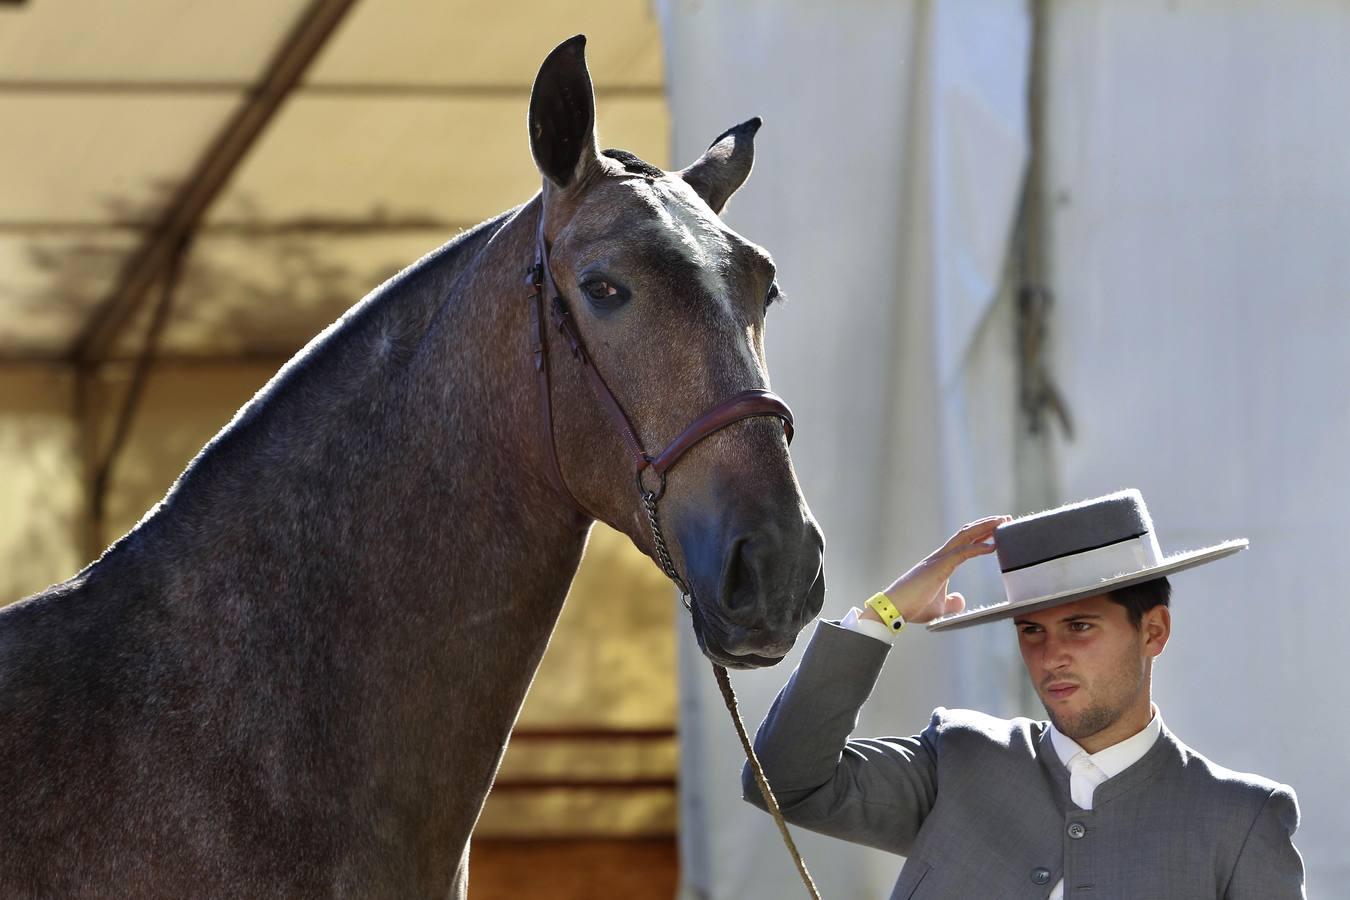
column 1197, row 192
column 886, row 180
column 1199, row 176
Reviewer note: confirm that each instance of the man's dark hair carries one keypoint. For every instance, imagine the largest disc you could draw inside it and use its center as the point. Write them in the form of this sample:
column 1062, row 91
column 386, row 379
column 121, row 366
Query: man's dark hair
column 1140, row 598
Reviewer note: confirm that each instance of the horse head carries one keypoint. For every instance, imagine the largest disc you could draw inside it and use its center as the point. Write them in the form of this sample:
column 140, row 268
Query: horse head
column 669, row 304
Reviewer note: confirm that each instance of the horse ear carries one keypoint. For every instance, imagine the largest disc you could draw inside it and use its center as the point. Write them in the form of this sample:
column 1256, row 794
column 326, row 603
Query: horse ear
column 723, row 168
column 562, row 114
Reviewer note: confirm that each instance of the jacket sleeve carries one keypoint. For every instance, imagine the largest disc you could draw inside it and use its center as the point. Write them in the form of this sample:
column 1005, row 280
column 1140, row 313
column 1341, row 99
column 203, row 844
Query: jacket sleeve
column 876, row 791
column 1269, row 866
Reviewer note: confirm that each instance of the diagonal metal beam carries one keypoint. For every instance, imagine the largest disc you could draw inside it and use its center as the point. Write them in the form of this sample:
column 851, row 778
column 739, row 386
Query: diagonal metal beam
column 204, row 183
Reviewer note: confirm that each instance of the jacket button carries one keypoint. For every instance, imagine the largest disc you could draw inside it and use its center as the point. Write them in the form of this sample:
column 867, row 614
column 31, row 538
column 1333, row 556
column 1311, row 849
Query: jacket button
column 1076, row 830
column 1040, row 875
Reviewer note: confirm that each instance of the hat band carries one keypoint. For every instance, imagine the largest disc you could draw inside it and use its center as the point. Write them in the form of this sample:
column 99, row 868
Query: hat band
column 1082, row 570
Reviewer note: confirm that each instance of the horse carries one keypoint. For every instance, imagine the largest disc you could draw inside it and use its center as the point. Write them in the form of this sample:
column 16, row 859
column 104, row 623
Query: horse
column 296, row 676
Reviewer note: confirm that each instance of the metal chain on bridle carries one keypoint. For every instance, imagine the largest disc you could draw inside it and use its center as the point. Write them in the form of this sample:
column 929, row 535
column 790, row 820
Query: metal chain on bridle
column 649, row 501
column 747, row 404
column 729, row 698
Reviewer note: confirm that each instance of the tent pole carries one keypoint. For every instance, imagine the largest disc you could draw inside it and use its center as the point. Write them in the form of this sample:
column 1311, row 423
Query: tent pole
column 99, row 466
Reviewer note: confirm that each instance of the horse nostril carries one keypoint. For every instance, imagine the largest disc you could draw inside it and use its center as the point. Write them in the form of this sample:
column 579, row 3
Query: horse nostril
column 740, row 581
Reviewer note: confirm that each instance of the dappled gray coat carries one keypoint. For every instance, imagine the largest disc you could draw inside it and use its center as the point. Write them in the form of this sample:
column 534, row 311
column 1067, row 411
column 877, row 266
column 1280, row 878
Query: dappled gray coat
column 981, row 808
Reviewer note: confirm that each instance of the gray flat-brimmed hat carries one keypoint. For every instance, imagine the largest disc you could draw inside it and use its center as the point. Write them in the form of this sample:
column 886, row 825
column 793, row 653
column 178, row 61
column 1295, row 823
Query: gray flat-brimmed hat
column 1076, row 551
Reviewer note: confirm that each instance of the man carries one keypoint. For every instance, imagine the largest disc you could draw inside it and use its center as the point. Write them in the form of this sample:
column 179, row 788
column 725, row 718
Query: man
column 1102, row 801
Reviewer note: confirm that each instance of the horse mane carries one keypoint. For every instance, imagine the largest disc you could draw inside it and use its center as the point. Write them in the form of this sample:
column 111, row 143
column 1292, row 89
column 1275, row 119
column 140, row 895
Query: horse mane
column 634, row 164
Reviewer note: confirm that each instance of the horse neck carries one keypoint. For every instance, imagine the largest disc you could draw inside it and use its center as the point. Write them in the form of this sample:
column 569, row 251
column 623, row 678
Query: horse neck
column 514, row 541
column 386, row 494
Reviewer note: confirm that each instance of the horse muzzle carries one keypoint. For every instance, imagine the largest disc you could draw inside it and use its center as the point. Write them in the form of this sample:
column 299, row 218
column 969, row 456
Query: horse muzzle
column 754, row 589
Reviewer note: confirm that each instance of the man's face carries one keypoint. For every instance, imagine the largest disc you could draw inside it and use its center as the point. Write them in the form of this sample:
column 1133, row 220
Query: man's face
column 1090, row 666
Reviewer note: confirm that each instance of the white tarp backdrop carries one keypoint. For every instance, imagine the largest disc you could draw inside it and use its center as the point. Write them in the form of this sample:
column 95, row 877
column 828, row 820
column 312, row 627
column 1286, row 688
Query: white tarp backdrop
column 1200, row 178
column 1198, row 196
column 886, row 181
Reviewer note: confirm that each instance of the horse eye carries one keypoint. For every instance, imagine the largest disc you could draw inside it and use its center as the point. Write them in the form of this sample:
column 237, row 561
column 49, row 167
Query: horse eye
column 599, row 290
column 771, row 296
column 603, row 295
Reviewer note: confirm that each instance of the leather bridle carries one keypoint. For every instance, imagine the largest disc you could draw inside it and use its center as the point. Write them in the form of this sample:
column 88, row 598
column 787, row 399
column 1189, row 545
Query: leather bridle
column 747, row 404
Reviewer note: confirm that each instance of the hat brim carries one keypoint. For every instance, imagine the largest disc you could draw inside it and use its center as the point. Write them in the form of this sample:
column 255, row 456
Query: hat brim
column 1008, row 609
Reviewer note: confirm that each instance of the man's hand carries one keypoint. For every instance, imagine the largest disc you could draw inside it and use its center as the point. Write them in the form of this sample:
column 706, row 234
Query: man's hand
column 921, row 593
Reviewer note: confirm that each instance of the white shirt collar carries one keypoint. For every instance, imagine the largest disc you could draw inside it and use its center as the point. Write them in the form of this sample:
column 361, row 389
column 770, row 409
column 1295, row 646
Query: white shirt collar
column 1116, row 758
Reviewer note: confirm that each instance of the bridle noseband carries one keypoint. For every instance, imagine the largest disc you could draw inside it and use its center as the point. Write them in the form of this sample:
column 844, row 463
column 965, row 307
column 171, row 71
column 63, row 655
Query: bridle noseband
column 747, row 404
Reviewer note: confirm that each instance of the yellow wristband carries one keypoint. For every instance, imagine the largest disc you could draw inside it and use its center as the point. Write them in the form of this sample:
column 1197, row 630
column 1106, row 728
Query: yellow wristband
column 882, row 606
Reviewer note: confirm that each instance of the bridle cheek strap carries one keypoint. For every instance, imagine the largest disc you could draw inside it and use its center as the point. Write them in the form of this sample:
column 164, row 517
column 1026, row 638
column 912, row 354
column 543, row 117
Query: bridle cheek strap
column 539, row 349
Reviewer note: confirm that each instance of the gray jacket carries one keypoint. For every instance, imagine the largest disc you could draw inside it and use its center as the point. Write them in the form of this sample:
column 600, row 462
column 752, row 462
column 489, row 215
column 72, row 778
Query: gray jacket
column 1173, row 825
